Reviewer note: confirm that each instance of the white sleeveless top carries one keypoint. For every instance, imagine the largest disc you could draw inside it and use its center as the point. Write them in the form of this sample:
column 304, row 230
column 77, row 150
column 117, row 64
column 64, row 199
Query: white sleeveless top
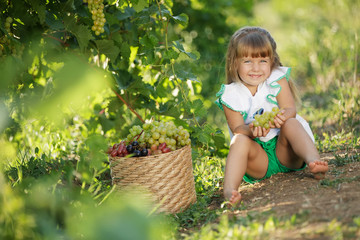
column 238, row 97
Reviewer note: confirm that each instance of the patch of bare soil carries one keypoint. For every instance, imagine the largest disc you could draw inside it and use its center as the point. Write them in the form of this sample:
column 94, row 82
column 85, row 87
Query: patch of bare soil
column 318, row 203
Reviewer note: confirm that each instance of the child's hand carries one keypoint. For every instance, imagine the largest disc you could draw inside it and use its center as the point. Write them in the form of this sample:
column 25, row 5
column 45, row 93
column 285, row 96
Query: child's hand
column 258, row 131
column 279, row 120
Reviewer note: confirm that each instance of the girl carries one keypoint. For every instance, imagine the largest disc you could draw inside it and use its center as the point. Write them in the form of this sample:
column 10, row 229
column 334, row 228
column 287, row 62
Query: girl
column 257, row 82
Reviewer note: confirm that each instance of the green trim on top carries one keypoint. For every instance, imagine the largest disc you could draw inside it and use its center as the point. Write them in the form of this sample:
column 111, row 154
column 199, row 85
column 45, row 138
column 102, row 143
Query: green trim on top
column 219, row 94
column 220, row 103
column 275, row 84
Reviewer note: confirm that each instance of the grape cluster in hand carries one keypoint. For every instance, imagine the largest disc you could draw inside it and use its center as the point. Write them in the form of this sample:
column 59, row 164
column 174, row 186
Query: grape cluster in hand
column 264, row 119
column 96, row 7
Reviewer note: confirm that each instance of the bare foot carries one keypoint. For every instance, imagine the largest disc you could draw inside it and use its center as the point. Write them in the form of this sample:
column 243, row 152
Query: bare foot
column 318, row 169
column 235, row 198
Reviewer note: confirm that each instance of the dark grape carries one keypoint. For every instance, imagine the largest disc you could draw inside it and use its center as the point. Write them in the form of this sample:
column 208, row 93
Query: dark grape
column 130, row 148
column 137, row 153
column 135, row 144
column 144, row 152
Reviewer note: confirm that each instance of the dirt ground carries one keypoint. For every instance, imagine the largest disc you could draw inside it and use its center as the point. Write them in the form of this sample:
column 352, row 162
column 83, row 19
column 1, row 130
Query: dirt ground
column 317, row 203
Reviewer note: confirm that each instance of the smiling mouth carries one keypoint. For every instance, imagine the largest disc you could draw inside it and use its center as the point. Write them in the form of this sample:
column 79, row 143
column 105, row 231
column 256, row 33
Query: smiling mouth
column 255, row 76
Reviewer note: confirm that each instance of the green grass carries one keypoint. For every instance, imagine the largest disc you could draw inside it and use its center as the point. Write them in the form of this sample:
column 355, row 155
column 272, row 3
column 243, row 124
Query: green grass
column 51, row 187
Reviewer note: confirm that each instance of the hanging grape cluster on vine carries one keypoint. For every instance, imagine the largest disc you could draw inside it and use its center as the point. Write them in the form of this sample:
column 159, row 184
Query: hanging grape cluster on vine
column 6, row 45
column 96, row 8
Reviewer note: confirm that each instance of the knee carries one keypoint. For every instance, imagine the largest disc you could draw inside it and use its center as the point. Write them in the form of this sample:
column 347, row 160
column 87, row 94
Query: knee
column 290, row 124
column 240, row 139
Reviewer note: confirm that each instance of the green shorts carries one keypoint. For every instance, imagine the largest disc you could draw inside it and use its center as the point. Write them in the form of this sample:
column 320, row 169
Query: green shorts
column 274, row 166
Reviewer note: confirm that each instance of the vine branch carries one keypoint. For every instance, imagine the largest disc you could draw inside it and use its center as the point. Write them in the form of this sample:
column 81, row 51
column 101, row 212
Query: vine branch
column 131, row 109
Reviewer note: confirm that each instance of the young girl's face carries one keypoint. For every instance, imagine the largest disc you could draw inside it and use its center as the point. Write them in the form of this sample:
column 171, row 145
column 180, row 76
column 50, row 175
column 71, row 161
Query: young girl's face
column 253, row 71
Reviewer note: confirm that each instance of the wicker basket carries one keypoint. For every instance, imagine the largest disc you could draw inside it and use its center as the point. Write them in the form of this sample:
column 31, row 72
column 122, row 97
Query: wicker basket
column 168, row 176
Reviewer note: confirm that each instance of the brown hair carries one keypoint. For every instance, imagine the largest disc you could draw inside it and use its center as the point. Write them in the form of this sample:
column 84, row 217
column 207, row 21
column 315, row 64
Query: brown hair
column 253, row 42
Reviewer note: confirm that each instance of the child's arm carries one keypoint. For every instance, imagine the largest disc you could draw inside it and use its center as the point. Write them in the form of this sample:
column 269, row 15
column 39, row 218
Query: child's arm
column 286, row 102
column 237, row 125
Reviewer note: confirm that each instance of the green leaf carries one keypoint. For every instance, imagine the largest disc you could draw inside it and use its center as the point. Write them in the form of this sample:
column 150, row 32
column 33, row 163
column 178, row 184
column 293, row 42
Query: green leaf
column 140, row 5
column 69, row 6
column 81, row 32
column 106, row 123
column 108, row 48
column 125, row 50
column 170, row 109
column 128, row 12
column 199, row 109
column 133, row 53
column 171, row 54
column 187, row 106
column 53, row 22
column 197, row 104
column 39, row 8
column 181, row 19
column 219, row 139
column 180, row 47
column 202, row 135
column 123, row 79
column 185, row 75
column 149, row 41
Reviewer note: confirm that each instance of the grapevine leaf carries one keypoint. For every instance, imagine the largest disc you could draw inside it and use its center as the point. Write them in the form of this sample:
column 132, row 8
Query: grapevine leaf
column 81, row 32
column 180, row 47
column 125, row 50
column 185, row 75
column 149, row 41
column 201, row 113
column 69, row 6
column 169, row 3
column 53, row 22
column 161, row 91
column 197, row 104
column 39, row 8
column 133, row 53
column 201, row 135
column 106, row 123
column 170, row 109
column 219, row 139
column 181, row 19
column 128, row 12
column 108, row 48
column 187, row 106
column 123, row 79
column 199, row 109
column 165, row 11
column 171, row 54
column 140, row 5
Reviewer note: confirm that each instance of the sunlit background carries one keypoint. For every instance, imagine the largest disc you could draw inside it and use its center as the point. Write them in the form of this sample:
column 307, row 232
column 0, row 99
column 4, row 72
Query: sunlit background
column 59, row 111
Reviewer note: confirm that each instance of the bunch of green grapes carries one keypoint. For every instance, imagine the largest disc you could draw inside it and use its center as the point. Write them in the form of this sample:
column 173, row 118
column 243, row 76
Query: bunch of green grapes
column 264, row 119
column 159, row 136
column 5, row 39
column 15, row 50
column 96, row 7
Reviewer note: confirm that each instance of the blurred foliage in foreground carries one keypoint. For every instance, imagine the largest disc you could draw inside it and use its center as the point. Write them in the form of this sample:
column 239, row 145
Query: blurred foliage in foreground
column 59, row 109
